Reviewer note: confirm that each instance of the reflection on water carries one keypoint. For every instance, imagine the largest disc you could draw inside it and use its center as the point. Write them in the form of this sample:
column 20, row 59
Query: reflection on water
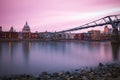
column 11, row 49
column 115, row 51
column 35, row 57
column 0, row 52
column 26, row 50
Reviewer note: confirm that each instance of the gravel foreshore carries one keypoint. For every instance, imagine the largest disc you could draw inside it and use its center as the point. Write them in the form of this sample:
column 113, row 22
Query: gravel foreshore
column 101, row 72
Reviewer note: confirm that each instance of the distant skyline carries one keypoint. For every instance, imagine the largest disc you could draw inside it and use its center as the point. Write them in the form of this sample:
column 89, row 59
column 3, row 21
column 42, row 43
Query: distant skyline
column 54, row 15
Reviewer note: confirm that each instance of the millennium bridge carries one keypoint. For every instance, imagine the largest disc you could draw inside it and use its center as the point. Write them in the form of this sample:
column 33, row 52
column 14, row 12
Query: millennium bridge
column 113, row 20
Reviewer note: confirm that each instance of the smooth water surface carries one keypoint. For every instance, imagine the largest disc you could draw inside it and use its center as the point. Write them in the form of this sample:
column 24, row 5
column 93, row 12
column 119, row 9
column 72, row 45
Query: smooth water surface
column 35, row 57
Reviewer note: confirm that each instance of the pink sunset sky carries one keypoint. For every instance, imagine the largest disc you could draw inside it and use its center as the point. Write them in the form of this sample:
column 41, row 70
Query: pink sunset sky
column 54, row 15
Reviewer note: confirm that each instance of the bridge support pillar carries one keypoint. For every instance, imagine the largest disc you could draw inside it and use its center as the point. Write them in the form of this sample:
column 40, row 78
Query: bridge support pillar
column 115, row 36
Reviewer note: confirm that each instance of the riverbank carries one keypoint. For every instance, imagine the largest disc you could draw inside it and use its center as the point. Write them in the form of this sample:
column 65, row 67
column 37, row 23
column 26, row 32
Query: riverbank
column 101, row 72
column 18, row 40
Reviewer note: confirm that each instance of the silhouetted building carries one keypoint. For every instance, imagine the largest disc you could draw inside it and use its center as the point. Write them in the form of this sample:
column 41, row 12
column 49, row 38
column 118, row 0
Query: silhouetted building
column 119, row 30
column 26, row 31
column 20, row 35
column 34, row 36
column 95, row 34
column 12, row 33
column 79, row 36
column 106, row 30
column 0, row 28
column 107, row 33
column 5, row 35
column 119, row 27
column 0, row 32
column 110, row 31
column 9, row 35
column 87, row 36
column 11, row 29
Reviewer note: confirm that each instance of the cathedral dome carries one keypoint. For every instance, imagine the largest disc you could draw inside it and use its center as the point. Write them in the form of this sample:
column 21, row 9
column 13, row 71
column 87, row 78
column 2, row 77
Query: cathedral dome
column 26, row 28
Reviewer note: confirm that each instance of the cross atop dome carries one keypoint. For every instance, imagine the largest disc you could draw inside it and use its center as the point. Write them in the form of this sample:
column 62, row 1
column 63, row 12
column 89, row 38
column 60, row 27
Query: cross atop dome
column 26, row 23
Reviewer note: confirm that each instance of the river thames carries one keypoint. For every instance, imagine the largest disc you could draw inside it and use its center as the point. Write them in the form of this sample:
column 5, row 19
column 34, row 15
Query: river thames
column 35, row 57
